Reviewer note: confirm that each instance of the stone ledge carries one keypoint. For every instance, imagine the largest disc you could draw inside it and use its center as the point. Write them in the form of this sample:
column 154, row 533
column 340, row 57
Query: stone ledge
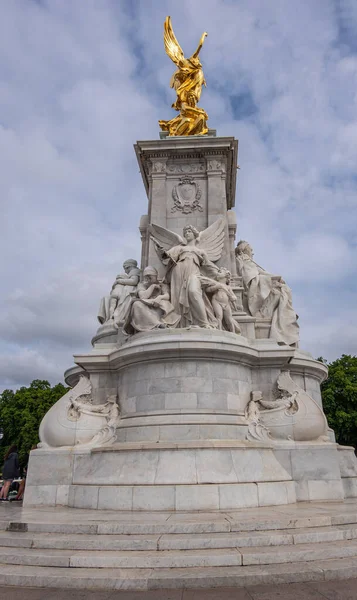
column 183, row 445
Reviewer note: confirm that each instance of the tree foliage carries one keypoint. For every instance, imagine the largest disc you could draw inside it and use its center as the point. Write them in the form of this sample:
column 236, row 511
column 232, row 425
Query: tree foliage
column 339, row 397
column 21, row 413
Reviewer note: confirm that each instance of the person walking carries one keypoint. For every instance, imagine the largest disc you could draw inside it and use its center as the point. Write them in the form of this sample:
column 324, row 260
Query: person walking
column 11, row 470
column 21, row 490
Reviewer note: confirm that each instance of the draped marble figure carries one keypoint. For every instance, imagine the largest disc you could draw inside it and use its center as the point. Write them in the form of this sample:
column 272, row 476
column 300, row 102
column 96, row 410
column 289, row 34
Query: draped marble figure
column 151, row 309
column 187, row 258
column 268, row 296
column 115, row 306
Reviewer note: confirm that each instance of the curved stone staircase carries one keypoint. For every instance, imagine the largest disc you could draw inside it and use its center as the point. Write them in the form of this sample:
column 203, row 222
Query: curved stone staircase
column 72, row 548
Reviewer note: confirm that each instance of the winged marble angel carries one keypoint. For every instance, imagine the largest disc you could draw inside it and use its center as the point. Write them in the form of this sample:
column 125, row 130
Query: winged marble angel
column 187, row 258
column 187, row 82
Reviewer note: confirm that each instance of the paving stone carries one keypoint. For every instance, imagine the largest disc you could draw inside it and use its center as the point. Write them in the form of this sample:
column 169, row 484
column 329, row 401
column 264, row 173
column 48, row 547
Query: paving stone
column 147, row 595
column 336, row 589
column 289, row 591
column 217, row 594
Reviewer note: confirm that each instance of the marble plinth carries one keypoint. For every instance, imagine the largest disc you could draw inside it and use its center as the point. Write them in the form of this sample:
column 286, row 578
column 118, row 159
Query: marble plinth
column 188, row 476
column 182, row 440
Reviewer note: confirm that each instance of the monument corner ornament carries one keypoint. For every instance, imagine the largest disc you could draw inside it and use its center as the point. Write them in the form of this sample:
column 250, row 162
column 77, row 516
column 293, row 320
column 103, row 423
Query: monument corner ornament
column 195, row 378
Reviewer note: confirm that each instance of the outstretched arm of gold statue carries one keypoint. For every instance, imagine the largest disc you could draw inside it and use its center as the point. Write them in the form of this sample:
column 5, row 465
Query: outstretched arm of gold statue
column 195, row 54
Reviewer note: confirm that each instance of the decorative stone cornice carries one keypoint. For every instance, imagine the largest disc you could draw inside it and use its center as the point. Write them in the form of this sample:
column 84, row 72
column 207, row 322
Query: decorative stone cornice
column 198, row 148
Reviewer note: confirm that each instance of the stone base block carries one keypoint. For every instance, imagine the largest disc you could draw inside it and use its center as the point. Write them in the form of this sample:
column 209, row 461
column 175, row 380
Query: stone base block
column 191, row 476
column 164, row 497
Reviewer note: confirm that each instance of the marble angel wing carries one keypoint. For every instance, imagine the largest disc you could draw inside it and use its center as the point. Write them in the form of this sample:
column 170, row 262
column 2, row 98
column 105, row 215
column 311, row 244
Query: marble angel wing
column 212, row 239
column 172, row 47
column 165, row 238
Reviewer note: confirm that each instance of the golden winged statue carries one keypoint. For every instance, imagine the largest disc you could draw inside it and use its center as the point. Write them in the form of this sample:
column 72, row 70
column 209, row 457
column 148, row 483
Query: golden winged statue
column 187, row 81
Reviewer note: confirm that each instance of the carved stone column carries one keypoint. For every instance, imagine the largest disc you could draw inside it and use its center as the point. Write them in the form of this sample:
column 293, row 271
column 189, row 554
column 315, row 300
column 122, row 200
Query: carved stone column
column 143, row 228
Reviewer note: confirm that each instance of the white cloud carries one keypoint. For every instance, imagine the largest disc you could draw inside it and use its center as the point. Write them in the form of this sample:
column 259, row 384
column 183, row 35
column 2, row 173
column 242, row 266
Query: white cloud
column 80, row 84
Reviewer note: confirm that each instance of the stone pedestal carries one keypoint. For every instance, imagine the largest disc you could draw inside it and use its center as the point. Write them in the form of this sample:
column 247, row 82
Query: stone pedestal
column 182, row 439
column 190, row 436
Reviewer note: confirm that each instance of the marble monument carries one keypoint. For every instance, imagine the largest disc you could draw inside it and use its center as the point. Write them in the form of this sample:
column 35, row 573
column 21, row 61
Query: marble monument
column 196, row 394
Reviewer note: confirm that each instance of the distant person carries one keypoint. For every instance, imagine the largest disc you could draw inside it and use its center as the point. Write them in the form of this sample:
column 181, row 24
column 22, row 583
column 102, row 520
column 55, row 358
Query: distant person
column 11, row 470
column 21, row 490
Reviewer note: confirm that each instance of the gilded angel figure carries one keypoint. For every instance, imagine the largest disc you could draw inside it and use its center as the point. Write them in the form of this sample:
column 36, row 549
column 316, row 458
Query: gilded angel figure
column 187, row 258
column 187, row 82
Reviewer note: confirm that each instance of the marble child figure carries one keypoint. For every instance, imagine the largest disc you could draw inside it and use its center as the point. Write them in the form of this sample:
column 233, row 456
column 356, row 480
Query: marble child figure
column 268, row 296
column 115, row 306
column 151, row 309
column 223, row 300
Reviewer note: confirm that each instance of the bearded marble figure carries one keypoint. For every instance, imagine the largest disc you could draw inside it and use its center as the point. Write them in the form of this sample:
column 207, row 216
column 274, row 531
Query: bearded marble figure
column 187, row 259
column 268, row 296
column 115, row 306
column 151, row 309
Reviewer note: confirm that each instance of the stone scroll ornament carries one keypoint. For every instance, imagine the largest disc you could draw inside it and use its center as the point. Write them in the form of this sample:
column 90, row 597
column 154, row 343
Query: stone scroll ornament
column 74, row 421
column 294, row 416
column 186, row 195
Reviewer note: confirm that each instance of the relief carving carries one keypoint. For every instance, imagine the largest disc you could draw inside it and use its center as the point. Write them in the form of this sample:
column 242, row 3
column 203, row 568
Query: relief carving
column 294, row 415
column 159, row 167
column 186, row 168
column 186, row 195
column 74, row 421
column 215, row 165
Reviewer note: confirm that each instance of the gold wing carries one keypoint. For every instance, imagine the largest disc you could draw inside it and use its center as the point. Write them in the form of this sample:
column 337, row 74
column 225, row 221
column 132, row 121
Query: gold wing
column 172, row 47
column 212, row 239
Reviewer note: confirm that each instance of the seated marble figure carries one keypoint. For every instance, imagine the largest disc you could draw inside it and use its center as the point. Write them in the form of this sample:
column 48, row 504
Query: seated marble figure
column 113, row 308
column 267, row 296
column 150, row 308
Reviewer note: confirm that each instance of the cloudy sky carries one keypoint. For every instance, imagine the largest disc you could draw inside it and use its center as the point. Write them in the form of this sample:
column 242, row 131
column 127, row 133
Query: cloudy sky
column 82, row 80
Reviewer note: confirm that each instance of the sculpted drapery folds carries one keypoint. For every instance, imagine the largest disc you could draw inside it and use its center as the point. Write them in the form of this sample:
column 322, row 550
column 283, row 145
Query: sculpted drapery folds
column 151, row 309
column 187, row 82
column 268, row 296
column 187, row 258
column 113, row 308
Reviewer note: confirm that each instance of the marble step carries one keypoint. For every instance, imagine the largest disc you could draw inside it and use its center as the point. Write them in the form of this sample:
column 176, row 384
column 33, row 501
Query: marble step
column 174, row 578
column 178, row 541
column 120, row 559
column 204, row 524
column 154, row 559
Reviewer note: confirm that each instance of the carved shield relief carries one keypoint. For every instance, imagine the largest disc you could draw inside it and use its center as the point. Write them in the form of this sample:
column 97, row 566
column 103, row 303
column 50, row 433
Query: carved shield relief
column 186, row 195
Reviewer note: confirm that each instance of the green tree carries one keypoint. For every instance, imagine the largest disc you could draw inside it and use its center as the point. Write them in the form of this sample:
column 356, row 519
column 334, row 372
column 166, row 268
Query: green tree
column 339, row 397
column 21, row 413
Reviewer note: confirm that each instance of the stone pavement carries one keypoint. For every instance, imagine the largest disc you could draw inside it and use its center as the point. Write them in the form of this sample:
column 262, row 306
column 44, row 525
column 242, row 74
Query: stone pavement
column 331, row 590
